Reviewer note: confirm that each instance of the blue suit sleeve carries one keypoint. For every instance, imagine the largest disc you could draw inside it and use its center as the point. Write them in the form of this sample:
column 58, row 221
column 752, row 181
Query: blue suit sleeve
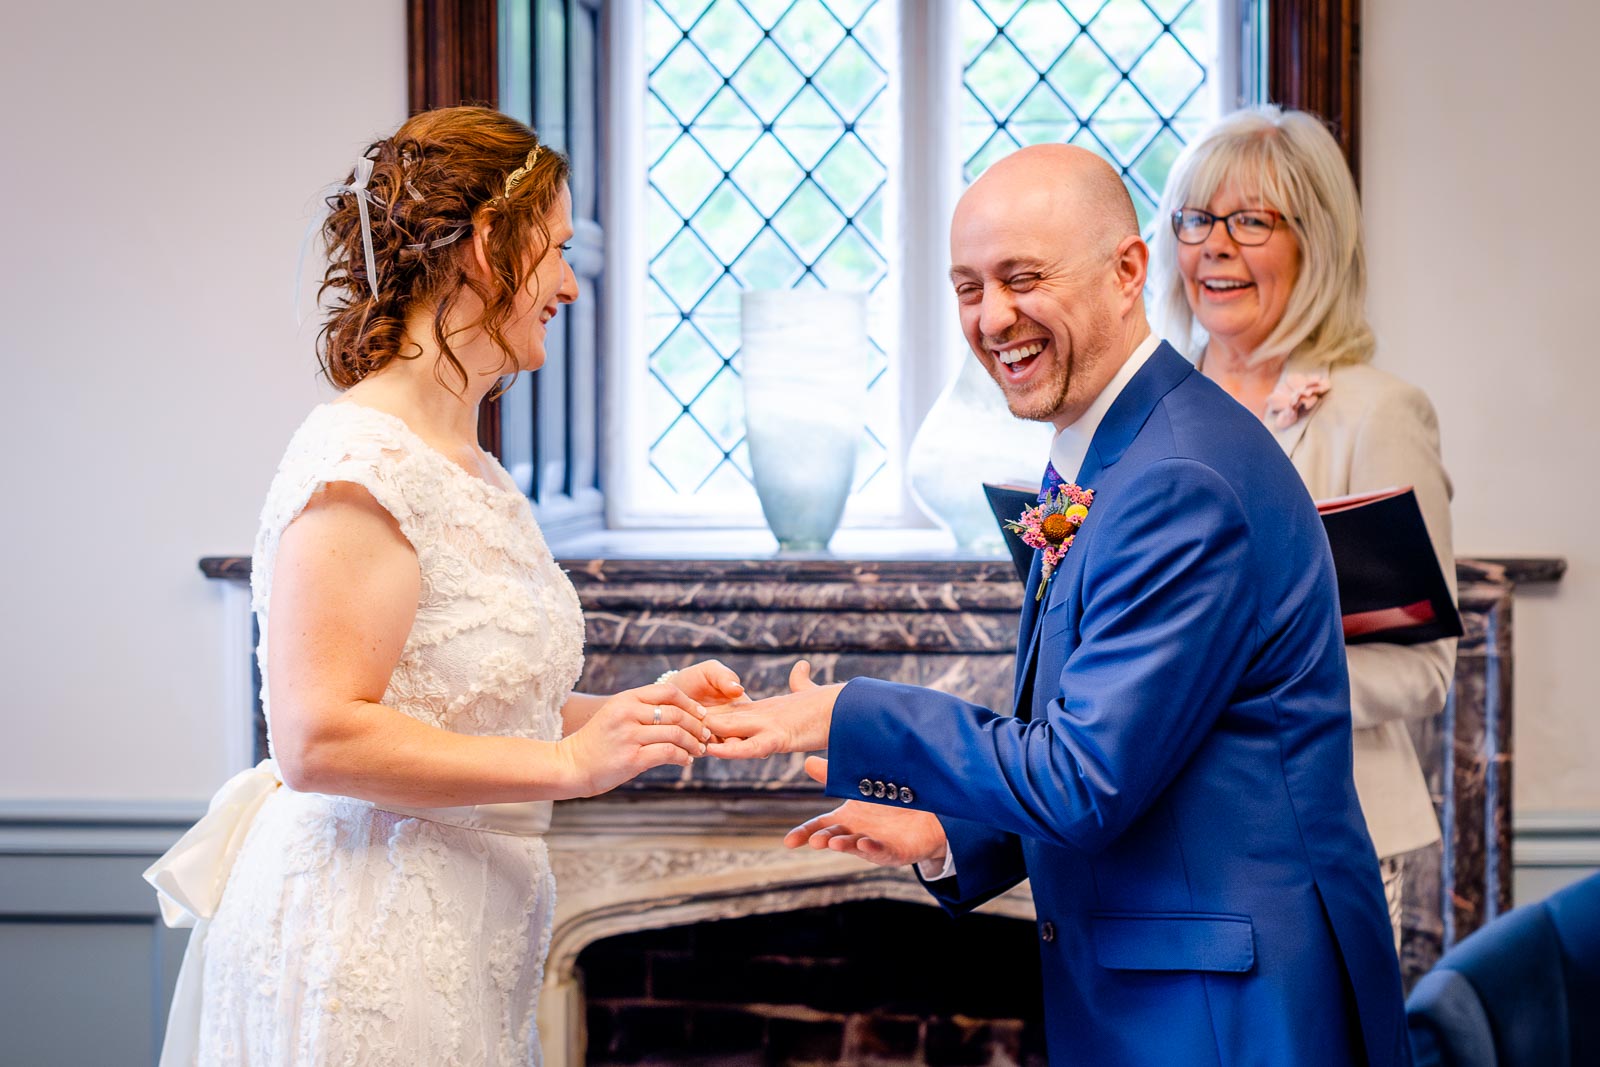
column 988, row 862
column 1167, row 624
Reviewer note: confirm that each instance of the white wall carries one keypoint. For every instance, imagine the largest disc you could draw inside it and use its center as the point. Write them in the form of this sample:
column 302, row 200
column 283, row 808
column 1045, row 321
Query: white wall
column 1479, row 162
column 160, row 161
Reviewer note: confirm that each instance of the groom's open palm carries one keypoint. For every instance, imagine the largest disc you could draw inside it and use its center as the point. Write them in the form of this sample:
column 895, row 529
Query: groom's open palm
column 889, row 837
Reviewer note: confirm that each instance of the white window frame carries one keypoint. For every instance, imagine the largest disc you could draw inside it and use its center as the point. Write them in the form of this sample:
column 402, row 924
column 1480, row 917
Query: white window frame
column 927, row 144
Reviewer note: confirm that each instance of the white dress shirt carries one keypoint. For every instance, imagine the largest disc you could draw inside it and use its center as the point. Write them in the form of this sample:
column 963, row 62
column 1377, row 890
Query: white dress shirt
column 1071, row 445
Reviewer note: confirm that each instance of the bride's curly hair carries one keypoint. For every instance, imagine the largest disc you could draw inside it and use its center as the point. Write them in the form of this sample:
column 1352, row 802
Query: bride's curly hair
column 440, row 178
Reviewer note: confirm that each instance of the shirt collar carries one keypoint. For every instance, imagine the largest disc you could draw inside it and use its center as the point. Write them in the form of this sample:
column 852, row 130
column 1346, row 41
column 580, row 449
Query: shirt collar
column 1071, row 445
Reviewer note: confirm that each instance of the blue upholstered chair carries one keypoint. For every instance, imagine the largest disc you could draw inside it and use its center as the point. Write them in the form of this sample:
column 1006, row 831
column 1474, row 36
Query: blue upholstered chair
column 1523, row 991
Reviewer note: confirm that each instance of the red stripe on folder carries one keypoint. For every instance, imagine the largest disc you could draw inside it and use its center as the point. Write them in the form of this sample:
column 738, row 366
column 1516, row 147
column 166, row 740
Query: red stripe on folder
column 1361, row 623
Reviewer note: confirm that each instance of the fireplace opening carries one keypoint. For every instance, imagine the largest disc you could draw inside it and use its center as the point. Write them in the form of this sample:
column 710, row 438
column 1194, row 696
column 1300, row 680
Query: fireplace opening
column 873, row 983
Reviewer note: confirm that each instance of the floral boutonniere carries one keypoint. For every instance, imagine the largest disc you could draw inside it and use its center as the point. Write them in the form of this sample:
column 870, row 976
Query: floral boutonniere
column 1294, row 397
column 1052, row 525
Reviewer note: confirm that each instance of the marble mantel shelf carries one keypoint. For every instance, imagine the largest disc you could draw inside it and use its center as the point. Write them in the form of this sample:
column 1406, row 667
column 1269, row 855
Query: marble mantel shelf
column 1519, row 570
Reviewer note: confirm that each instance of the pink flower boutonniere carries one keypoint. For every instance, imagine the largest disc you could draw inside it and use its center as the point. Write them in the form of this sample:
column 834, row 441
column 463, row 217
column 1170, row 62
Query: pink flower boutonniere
column 1294, row 397
column 1052, row 525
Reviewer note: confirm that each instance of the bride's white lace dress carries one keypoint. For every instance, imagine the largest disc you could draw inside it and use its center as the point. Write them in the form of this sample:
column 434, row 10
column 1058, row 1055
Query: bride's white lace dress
column 352, row 935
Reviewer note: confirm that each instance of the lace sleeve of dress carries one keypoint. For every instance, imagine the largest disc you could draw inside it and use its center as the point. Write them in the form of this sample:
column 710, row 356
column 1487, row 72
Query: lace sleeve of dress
column 335, row 446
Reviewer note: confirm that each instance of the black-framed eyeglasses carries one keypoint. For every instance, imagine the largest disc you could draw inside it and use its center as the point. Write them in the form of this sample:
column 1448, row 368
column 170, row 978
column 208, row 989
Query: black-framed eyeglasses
column 1251, row 226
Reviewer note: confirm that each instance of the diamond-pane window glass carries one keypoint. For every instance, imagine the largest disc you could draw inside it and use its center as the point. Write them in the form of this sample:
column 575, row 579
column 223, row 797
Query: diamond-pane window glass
column 1126, row 79
column 822, row 144
column 766, row 170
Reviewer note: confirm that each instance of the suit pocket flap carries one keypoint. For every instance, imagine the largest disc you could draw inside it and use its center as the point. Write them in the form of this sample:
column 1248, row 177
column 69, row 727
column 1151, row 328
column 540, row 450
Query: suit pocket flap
column 1186, row 942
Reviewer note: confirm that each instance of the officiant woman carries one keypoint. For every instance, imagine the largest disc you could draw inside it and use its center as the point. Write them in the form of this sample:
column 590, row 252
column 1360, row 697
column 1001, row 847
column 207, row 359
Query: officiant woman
column 1258, row 267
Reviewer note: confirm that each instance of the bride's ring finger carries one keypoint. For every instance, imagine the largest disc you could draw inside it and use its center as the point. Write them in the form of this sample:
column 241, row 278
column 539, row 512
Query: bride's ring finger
column 655, row 720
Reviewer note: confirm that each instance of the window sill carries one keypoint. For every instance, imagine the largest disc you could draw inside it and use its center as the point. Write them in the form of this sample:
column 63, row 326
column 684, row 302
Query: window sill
column 759, row 544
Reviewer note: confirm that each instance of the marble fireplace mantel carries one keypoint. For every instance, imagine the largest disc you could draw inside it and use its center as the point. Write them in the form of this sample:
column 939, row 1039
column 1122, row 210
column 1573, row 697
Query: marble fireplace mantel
column 677, row 847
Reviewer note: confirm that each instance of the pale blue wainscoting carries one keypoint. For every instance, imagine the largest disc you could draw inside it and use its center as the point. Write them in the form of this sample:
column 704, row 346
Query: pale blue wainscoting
column 86, row 965
column 1551, row 850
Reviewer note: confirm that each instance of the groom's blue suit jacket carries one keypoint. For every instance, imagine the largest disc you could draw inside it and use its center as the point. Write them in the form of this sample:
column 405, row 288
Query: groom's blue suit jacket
column 1176, row 780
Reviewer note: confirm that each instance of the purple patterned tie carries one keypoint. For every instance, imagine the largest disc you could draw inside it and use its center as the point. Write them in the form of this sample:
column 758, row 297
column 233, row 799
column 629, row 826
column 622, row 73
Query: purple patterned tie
column 1052, row 482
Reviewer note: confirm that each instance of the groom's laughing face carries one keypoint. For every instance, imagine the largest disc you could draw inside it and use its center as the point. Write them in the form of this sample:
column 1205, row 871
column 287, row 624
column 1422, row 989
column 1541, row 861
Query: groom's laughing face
column 1036, row 306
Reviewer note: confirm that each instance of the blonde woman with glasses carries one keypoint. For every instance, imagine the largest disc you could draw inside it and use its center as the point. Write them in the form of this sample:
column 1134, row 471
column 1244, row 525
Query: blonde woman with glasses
column 1259, row 268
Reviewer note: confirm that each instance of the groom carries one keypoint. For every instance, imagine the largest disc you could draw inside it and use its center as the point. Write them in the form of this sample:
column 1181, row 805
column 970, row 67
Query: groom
column 1176, row 777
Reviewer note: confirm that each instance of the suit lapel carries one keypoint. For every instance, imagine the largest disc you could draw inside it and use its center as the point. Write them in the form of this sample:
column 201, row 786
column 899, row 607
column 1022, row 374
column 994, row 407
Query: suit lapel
column 1116, row 432
column 1027, row 637
column 1289, row 437
column 1131, row 410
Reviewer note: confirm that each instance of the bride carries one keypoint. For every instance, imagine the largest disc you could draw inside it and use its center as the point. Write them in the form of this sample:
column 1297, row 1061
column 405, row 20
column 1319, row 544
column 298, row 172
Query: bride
column 379, row 892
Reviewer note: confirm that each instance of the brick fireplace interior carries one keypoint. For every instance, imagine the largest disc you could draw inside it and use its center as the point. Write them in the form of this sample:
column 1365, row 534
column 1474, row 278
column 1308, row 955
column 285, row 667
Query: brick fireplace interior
column 869, row 982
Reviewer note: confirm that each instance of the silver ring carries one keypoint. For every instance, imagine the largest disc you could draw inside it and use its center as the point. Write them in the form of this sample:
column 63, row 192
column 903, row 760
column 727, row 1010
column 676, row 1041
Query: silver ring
column 655, row 720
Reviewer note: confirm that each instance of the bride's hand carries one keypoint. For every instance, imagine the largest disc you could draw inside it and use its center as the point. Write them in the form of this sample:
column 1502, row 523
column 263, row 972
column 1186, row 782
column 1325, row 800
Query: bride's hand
column 632, row 732
column 709, row 683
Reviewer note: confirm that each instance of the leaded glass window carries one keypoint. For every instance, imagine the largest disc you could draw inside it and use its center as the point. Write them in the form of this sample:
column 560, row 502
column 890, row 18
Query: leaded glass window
column 765, row 127
column 1126, row 79
column 780, row 138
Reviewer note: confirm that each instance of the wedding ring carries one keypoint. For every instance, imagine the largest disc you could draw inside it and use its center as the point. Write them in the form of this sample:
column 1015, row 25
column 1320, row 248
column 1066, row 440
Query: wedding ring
column 655, row 720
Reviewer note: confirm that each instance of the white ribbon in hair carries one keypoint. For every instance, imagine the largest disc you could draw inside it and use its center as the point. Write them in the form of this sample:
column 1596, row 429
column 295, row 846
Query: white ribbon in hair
column 448, row 239
column 358, row 186
column 364, row 196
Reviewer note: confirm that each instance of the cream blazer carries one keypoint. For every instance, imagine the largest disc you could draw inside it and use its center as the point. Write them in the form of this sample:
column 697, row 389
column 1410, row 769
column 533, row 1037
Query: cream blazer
column 1371, row 431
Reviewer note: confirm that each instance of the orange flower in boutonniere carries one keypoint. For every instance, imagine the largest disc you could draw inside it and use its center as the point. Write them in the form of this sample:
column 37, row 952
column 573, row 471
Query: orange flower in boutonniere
column 1052, row 526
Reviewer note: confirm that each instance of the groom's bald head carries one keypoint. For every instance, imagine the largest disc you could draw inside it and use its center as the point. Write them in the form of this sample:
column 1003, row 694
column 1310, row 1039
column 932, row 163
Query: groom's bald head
column 1049, row 270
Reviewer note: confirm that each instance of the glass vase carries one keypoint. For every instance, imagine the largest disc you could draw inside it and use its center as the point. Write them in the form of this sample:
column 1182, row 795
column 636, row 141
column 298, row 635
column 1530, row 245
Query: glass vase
column 803, row 361
column 970, row 437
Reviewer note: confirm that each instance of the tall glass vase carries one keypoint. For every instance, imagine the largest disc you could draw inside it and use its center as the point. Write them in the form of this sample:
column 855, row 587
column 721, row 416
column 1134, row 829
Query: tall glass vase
column 803, row 360
column 970, row 437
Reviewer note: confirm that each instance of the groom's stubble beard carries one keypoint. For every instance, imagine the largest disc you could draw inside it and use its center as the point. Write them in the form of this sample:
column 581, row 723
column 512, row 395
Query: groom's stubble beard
column 1044, row 399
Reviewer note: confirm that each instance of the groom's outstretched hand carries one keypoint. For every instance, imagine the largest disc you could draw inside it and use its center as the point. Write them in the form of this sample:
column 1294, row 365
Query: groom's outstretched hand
column 877, row 833
column 797, row 721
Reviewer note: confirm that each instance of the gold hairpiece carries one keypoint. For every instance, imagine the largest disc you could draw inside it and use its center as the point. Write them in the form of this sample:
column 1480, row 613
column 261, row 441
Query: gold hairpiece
column 516, row 176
